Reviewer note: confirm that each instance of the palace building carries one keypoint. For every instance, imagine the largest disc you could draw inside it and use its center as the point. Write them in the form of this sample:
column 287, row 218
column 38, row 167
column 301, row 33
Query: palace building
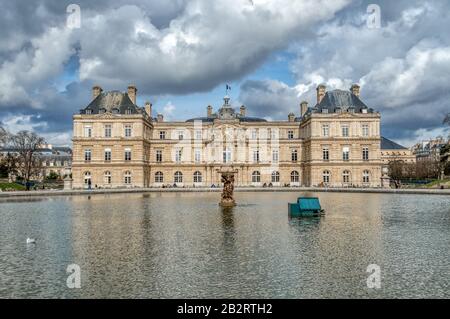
column 336, row 142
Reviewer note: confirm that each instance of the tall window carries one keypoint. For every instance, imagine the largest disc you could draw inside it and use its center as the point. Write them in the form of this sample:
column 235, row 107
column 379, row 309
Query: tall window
column 158, row 156
column 274, row 134
column 345, row 130
column 198, row 134
column 275, row 156
column 88, row 112
column 256, row 177
column 159, row 177
column 275, row 177
column 107, row 154
column 128, row 130
column 197, row 155
column 127, row 154
column 197, row 177
column 162, row 135
column 227, row 155
column 365, row 153
column 365, row 130
column 345, row 153
column 255, row 156
column 87, row 177
column 325, row 130
column 326, row 153
column 107, row 177
column 326, row 176
column 254, row 134
column 87, row 155
column 295, row 177
column 127, row 177
column 290, row 135
column 366, row 176
column 178, row 155
column 180, row 135
column 108, row 129
column 294, row 156
column 178, row 177
column 346, row 176
column 88, row 131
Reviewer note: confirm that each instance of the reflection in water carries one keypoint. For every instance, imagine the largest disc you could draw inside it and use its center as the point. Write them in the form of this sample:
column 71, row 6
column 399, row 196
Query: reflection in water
column 173, row 245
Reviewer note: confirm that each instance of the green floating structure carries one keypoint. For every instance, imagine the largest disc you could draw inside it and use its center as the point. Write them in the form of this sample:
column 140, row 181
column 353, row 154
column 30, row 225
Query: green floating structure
column 306, row 207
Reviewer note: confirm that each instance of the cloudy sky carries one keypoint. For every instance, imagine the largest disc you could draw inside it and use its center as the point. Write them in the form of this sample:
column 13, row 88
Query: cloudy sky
column 180, row 54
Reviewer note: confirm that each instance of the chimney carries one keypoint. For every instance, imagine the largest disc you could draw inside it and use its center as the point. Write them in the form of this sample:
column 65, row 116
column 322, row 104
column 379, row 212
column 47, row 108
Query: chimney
column 303, row 108
column 355, row 89
column 321, row 89
column 160, row 117
column 132, row 92
column 209, row 111
column 291, row 117
column 96, row 91
column 148, row 108
column 243, row 110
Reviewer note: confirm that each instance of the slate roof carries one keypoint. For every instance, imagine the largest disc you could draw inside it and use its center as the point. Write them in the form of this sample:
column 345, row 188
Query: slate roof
column 387, row 144
column 241, row 118
column 340, row 99
column 114, row 102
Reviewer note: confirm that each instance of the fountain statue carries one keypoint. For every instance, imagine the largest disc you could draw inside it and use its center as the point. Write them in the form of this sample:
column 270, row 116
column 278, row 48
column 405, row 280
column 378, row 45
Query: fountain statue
column 228, row 187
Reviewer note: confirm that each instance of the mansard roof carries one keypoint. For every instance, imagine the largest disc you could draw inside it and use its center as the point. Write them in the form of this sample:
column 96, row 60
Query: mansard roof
column 343, row 100
column 114, row 102
column 387, row 144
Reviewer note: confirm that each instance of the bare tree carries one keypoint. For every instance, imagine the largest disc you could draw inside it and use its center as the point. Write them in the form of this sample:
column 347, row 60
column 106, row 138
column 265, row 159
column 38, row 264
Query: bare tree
column 3, row 136
column 27, row 144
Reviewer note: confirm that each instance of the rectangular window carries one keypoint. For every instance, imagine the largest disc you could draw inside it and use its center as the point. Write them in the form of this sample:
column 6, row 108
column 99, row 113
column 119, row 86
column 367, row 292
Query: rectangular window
column 128, row 130
column 180, row 135
column 127, row 154
column 178, row 155
column 254, row 134
column 256, row 156
column 198, row 155
column 365, row 153
column 198, row 134
column 88, row 131
column 345, row 153
column 87, row 155
column 326, row 154
column 365, row 130
column 294, row 156
column 107, row 154
column 275, row 156
column 325, row 130
column 290, row 135
column 162, row 135
column 345, row 130
column 227, row 156
column 158, row 156
column 108, row 129
column 274, row 134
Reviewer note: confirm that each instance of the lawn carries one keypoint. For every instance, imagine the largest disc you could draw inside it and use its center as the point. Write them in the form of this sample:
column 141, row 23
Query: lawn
column 11, row 187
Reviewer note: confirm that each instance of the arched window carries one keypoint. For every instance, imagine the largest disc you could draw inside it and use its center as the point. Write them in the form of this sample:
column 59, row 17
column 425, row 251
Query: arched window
column 159, row 177
column 275, row 177
column 256, row 177
column 366, row 176
column 197, row 177
column 127, row 177
column 178, row 177
column 346, row 176
column 107, row 177
column 87, row 177
column 326, row 176
column 295, row 177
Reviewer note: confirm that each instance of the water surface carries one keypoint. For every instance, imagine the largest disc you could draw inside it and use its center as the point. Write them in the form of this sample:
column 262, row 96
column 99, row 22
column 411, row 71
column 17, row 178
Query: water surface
column 182, row 245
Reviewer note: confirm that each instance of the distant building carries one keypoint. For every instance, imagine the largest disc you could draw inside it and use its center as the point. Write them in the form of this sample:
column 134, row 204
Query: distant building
column 391, row 151
column 119, row 144
column 429, row 150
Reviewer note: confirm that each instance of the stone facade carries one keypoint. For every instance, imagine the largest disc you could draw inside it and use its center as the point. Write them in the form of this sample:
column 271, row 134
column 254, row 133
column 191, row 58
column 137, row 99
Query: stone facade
column 335, row 143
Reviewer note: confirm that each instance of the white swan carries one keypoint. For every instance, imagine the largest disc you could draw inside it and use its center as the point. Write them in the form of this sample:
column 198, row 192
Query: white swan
column 31, row 241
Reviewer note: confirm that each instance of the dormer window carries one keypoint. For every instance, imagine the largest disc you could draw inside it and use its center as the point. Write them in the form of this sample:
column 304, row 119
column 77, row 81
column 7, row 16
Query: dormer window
column 115, row 111
column 128, row 111
column 101, row 111
column 364, row 111
column 88, row 111
column 324, row 111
